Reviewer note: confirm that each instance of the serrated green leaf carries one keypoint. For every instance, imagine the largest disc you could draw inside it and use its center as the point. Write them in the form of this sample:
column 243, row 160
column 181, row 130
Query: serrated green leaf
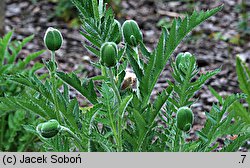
column 162, row 98
column 4, row 46
column 242, row 112
column 86, row 89
column 131, row 56
column 243, row 77
column 94, row 41
column 216, row 94
column 124, row 105
column 95, row 10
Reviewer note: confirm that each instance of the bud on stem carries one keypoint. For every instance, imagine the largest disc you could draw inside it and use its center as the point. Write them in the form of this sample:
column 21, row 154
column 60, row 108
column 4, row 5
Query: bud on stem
column 53, row 39
column 131, row 33
column 185, row 118
column 49, row 129
column 184, row 61
column 109, row 53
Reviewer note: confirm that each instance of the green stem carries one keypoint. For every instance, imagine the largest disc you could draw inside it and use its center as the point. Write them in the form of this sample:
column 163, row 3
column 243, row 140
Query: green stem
column 90, row 131
column 53, row 55
column 113, row 128
column 77, row 139
column 114, row 87
column 103, row 71
column 114, row 131
column 176, row 141
column 54, row 87
column 182, row 141
column 119, row 133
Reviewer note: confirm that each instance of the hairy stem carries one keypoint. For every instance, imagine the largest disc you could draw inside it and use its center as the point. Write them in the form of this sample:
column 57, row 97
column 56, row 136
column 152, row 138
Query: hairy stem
column 115, row 89
column 54, row 87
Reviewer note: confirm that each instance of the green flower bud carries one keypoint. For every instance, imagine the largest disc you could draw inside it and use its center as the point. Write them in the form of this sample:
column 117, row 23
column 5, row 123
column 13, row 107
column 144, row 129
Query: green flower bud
column 109, row 54
column 118, row 30
column 185, row 118
column 53, row 39
column 49, row 129
column 131, row 33
column 183, row 60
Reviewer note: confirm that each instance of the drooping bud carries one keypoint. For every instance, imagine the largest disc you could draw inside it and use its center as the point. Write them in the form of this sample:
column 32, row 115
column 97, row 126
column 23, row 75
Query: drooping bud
column 53, row 39
column 48, row 129
column 184, row 60
column 185, row 118
column 131, row 33
column 117, row 31
column 109, row 53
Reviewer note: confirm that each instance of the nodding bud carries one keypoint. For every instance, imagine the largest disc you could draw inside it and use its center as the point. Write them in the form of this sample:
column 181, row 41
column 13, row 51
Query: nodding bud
column 109, row 54
column 53, row 39
column 184, row 60
column 129, row 81
column 118, row 30
column 49, row 129
column 131, row 33
column 185, row 118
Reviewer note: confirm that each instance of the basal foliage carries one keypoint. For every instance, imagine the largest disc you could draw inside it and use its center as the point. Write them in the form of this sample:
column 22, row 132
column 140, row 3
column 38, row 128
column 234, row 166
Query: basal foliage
column 122, row 115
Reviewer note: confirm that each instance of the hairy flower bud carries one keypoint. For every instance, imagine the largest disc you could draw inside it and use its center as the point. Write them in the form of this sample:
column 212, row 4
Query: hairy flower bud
column 49, row 129
column 131, row 33
column 185, row 118
column 183, row 60
column 53, row 39
column 109, row 53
